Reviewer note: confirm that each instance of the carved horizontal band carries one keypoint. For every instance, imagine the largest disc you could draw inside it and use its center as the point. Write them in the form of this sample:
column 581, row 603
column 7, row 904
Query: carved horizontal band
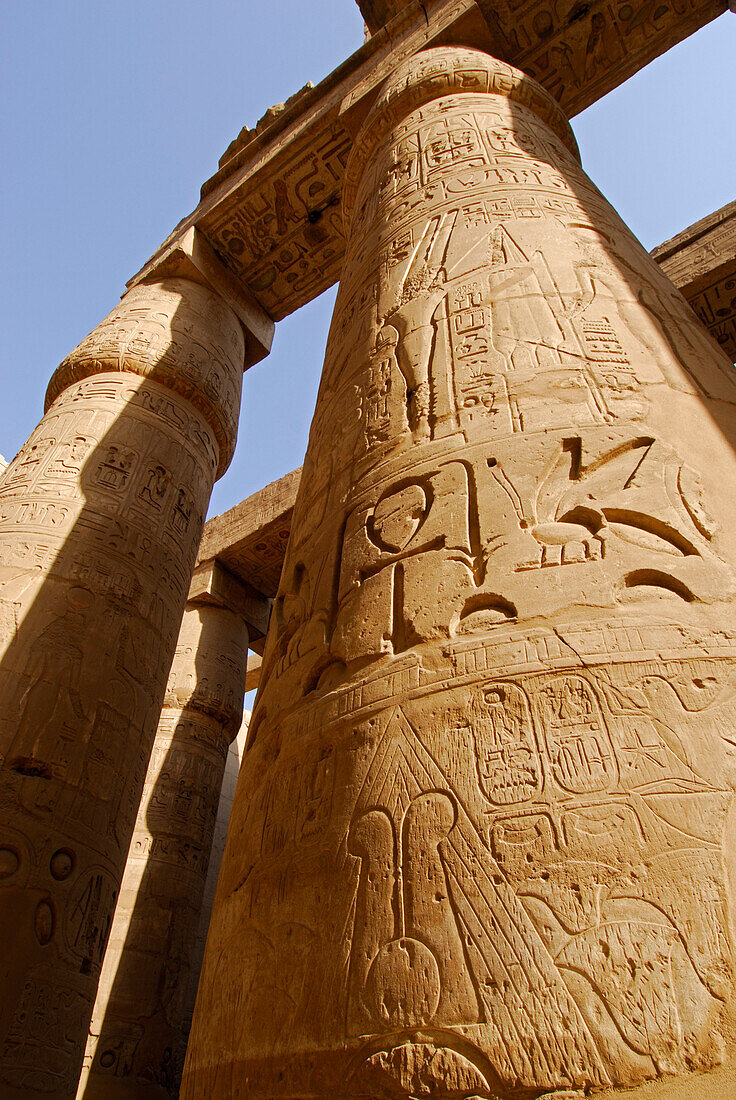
column 178, row 334
column 441, row 72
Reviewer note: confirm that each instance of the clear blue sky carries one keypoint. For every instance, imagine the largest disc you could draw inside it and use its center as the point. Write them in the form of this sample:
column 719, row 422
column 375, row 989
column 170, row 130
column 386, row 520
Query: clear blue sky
column 115, row 113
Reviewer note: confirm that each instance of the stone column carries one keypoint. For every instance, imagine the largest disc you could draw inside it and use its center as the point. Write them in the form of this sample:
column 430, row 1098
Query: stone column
column 137, row 1031
column 101, row 515
column 224, row 809
column 483, row 840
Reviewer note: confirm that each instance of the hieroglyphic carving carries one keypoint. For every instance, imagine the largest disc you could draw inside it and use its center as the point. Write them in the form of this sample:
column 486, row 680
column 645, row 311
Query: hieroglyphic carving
column 137, row 1026
column 505, row 620
column 100, row 519
column 271, row 209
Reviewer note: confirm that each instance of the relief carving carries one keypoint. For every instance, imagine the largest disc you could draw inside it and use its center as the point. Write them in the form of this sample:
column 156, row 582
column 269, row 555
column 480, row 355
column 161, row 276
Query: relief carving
column 100, row 519
column 489, row 798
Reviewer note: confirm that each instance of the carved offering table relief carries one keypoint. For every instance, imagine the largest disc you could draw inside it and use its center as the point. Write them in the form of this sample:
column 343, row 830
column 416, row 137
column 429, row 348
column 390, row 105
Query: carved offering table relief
column 483, row 838
column 101, row 515
column 139, row 1023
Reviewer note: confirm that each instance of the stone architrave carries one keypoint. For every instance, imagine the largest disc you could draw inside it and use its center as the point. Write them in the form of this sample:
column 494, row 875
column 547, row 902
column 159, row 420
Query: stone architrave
column 483, row 842
column 101, row 514
column 137, row 1034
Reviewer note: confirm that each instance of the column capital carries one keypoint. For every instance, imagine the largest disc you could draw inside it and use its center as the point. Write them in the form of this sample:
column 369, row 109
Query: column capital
column 447, row 71
column 208, row 671
column 214, row 586
column 177, row 334
column 191, row 256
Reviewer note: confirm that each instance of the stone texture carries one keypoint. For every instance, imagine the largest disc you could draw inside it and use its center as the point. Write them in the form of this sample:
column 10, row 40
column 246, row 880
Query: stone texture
column 101, row 514
column 249, row 540
column 482, row 843
column 213, row 584
column 224, row 808
column 379, row 12
column 271, row 212
column 253, row 675
column 140, row 1022
column 701, row 261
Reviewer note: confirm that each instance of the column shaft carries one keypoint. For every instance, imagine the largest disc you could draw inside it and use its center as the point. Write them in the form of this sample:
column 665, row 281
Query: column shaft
column 483, row 840
column 101, row 515
column 136, row 1035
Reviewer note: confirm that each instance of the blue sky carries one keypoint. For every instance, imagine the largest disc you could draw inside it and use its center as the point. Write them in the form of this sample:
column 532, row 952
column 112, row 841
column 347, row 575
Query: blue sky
column 114, row 114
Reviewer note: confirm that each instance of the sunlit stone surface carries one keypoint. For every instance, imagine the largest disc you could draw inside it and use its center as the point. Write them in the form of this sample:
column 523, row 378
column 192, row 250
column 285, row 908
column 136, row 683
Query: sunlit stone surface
column 482, row 843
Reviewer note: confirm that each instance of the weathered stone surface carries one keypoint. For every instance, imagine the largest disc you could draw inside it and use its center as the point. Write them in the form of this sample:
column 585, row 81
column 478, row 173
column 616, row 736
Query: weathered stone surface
column 377, row 13
column 139, row 1025
column 701, row 261
column 224, row 808
column 190, row 256
column 483, row 839
column 253, row 675
column 271, row 212
column 250, row 539
column 213, row 584
column 101, row 514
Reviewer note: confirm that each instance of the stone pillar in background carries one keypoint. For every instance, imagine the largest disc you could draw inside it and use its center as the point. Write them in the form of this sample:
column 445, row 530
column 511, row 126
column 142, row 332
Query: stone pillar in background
column 482, row 842
column 224, row 809
column 136, row 1035
column 101, row 515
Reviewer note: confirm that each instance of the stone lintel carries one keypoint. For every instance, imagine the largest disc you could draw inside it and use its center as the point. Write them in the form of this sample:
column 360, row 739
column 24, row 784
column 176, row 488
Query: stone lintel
column 213, row 584
column 701, row 262
column 377, row 13
column 249, row 540
column 253, row 673
column 271, row 212
column 191, row 256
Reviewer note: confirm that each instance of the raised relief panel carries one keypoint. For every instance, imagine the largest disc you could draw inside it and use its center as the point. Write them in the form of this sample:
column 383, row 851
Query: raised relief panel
column 383, row 561
column 482, row 842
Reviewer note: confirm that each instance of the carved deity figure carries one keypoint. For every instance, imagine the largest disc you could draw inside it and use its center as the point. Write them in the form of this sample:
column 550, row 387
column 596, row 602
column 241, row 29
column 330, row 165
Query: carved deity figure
column 483, row 842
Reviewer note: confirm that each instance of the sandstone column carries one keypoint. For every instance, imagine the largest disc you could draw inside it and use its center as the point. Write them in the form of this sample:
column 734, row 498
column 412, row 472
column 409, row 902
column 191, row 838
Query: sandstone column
column 483, row 840
column 100, row 518
column 136, row 1035
column 224, row 809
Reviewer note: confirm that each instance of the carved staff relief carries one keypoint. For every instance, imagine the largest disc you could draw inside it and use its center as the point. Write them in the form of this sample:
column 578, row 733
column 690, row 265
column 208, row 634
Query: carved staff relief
column 483, row 837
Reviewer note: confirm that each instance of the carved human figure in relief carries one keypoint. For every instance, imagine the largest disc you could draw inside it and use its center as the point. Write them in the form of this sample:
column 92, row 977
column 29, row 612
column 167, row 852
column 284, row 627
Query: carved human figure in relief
column 505, row 619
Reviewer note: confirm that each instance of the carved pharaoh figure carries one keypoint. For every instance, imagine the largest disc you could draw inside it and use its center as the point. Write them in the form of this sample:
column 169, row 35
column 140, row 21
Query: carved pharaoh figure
column 483, row 839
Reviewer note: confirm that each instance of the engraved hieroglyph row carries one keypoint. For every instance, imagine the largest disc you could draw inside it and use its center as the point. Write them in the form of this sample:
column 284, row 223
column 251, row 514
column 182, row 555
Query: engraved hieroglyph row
column 101, row 514
column 482, row 842
column 272, row 211
column 250, row 539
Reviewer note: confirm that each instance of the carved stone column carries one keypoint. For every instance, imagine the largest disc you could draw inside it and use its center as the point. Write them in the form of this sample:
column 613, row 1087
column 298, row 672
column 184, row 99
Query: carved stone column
column 136, row 1035
column 101, row 514
column 483, row 839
